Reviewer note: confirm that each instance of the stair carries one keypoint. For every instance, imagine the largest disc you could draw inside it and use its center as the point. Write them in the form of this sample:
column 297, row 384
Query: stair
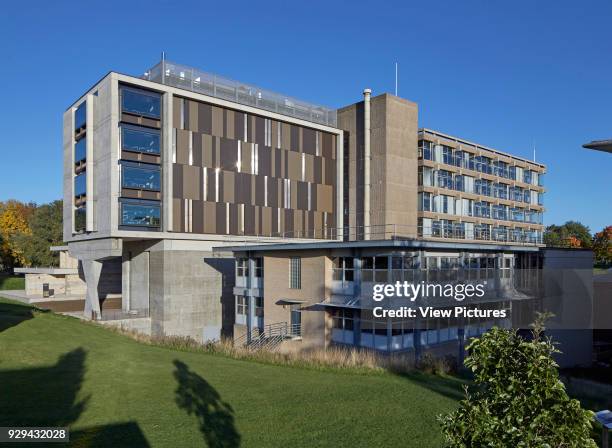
column 270, row 337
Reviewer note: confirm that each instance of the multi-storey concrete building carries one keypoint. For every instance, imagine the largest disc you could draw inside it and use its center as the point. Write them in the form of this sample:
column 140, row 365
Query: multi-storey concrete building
column 159, row 170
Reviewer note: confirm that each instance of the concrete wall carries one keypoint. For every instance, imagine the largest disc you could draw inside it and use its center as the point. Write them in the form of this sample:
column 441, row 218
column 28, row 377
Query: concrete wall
column 393, row 172
column 188, row 290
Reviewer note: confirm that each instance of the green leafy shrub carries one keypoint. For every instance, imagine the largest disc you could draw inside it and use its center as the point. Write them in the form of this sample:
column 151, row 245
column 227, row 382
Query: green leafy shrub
column 518, row 400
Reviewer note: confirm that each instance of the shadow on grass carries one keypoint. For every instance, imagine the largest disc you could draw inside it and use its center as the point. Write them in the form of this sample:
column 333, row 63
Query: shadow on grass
column 215, row 417
column 447, row 386
column 12, row 314
column 49, row 396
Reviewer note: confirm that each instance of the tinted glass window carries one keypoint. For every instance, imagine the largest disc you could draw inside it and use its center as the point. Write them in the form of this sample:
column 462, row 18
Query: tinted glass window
column 141, row 140
column 80, row 150
column 80, row 185
column 133, row 214
column 139, row 177
column 80, row 219
column 80, row 116
column 140, row 103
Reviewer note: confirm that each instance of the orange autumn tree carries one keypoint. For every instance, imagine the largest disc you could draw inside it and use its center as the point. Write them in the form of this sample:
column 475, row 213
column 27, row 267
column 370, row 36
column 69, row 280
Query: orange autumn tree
column 602, row 246
column 14, row 216
column 574, row 242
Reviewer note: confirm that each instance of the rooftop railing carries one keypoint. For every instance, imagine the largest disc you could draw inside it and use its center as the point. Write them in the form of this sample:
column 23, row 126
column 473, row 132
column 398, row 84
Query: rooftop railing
column 189, row 78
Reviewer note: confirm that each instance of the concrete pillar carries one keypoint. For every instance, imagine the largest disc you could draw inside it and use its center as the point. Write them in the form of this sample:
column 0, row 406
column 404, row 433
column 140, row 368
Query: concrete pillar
column 366, row 164
column 90, row 171
column 92, row 270
column 125, row 281
column 167, row 151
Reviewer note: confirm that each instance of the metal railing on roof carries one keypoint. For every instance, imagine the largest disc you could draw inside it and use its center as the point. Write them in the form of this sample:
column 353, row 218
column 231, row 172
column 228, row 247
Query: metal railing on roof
column 189, row 78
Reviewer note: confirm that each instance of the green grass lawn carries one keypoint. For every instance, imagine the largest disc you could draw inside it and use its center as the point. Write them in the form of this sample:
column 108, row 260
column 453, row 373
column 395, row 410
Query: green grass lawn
column 113, row 391
column 11, row 282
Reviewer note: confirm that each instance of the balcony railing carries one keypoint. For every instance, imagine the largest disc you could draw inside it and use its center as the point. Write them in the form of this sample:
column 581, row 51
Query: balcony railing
column 189, row 78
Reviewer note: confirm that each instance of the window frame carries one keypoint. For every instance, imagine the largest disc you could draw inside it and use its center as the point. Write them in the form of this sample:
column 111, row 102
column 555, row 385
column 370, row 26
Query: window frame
column 143, row 167
column 141, row 129
column 139, row 203
column 150, row 93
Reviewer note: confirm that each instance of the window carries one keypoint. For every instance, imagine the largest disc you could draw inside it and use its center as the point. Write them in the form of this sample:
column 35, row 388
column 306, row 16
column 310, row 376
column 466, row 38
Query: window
column 499, row 212
column 80, row 219
column 241, row 305
column 138, row 139
column 80, row 150
column 424, row 202
column 259, row 306
column 500, row 191
column 447, row 155
column 242, row 267
column 140, row 102
column 483, row 187
column 445, row 179
column 482, row 232
column 482, row 209
column 141, row 213
column 295, row 273
column 482, row 164
column 425, row 150
column 258, row 267
column 461, row 159
column 80, row 185
column 527, row 178
column 459, row 183
column 343, row 269
column 374, row 269
column 500, row 169
column 144, row 177
column 80, row 116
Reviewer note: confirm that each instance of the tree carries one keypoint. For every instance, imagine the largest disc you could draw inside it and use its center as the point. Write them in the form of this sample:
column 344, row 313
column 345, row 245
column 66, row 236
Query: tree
column 14, row 217
column 602, row 246
column 520, row 400
column 570, row 234
column 45, row 225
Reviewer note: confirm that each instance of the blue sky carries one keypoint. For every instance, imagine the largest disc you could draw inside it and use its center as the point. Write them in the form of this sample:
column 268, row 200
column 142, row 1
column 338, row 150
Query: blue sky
column 504, row 74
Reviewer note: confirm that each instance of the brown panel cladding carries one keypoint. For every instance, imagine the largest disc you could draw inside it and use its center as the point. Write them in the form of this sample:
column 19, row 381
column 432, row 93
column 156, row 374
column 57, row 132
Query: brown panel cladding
column 191, row 182
column 318, row 170
column 177, row 211
column 229, row 182
column 177, row 181
column 233, row 219
column 210, row 217
column 294, row 165
column 217, row 121
column 264, row 157
column 302, row 195
column 177, row 104
column 260, row 133
column 327, row 148
column 330, row 171
column 259, row 190
column 197, row 149
column 275, row 142
column 221, row 218
column 208, row 153
column 295, row 138
column 249, row 219
column 197, row 214
column 309, row 145
column 215, row 133
column 141, row 121
column 205, row 118
column 239, row 126
column 229, row 121
column 229, row 154
column 288, row 224
column 286, row 136
column 140, row 157
column 182, row 147
column 140, row 194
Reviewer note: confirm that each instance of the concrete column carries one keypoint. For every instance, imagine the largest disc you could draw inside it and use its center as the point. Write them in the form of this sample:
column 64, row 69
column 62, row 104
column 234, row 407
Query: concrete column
column 125, row 281
column 366, row 164
column 90, row 171
column 92, row 270
column 340, row 187
column 167, row 151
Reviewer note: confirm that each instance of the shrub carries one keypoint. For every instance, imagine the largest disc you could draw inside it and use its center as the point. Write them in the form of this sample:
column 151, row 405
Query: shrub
column 519, row 400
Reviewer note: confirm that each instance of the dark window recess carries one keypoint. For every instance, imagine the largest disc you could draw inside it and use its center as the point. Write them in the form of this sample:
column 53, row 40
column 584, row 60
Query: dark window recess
column 80, row 185
column 140, row 177
column 140, row 139
column 139, row 102
column 80, row 116
column 80, row 219
column 140, row 214
column 80, row 150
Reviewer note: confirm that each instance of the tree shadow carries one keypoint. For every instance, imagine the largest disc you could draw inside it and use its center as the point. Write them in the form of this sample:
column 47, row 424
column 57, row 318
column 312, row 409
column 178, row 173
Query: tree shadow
column 12, row 315
column 44, row 396
column 447, row 386
column 215, row 417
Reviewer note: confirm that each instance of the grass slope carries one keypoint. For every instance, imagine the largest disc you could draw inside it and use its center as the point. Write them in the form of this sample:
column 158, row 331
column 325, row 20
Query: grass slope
column 11, row 282
column 113, row 391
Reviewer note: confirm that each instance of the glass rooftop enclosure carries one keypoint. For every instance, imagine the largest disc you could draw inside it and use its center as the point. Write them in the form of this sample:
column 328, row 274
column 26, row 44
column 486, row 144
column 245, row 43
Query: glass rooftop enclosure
column 189, row 78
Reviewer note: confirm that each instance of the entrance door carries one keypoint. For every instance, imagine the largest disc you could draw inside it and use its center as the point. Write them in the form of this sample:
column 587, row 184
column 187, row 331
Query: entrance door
column 296, row 320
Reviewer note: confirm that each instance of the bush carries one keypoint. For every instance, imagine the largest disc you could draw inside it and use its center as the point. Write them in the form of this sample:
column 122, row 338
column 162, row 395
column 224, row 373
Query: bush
column 519, row 400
